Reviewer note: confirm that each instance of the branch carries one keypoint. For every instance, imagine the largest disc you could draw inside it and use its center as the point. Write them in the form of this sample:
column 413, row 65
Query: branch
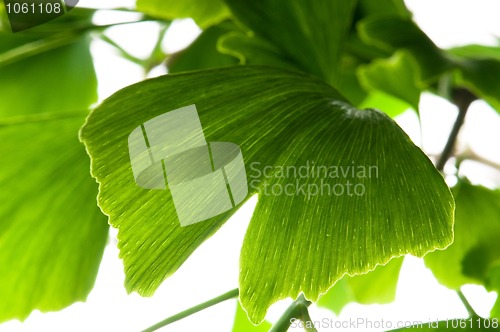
column 467, row 305
column 221, row 298
column 471, row 155
column 462, row 98
column 297, row 310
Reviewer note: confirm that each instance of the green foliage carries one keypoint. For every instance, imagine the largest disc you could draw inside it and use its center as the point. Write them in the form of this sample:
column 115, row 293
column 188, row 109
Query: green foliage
column 253, row 50
column 397, row 76
column 470, row 324
column 241, row 322
column 379, row 31
column 476, row 248
column 386, row 8
column 52, row 234
column 304, row 31
column 279, row 221
column 481, row 76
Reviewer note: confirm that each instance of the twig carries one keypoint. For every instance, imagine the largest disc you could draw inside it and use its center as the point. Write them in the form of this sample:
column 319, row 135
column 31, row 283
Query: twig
column 462, row 98
column 221, row 298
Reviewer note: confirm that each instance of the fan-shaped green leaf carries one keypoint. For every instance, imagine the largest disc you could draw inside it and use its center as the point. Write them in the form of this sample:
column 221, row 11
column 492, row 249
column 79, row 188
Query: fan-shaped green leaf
column 380, row 31
column 278, row 118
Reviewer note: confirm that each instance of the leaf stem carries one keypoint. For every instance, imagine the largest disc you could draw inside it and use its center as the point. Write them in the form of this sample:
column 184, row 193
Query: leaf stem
column 221, row 298
column 297, row 310
column 462, row 98
column 467, row 305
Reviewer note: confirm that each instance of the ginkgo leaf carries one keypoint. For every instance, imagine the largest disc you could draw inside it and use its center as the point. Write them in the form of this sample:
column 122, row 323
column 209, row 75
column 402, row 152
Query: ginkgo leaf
column 379, row 31
column 311, row 33
column 52, row 234
column 397, row 76
column 384, row 8
column 301, row 242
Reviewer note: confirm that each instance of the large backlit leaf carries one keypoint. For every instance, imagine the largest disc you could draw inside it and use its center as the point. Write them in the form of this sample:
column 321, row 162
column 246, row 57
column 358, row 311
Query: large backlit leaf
column 397, row 76
column 477, row 232
column 311, row 33
column 52, row 234
column 380, row 31
column 294, row 242
column 254, row 50
column 375, row 287
column 204, row 12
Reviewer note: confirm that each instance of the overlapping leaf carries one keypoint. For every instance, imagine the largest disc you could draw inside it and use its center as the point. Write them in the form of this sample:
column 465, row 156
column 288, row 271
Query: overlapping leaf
column 397, row 76
column 52, row 235
column 254, row 50
column 311, row 33
column 295, row 243
column 477, row 232
column 380, row 31
column 384, row 8
column 481, row 76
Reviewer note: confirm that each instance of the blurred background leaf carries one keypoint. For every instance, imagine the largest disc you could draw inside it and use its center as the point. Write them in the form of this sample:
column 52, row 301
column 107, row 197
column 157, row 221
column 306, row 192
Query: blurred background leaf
column 52, row 234
column 287, row 233
column 396, row 76
column 476, row 248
